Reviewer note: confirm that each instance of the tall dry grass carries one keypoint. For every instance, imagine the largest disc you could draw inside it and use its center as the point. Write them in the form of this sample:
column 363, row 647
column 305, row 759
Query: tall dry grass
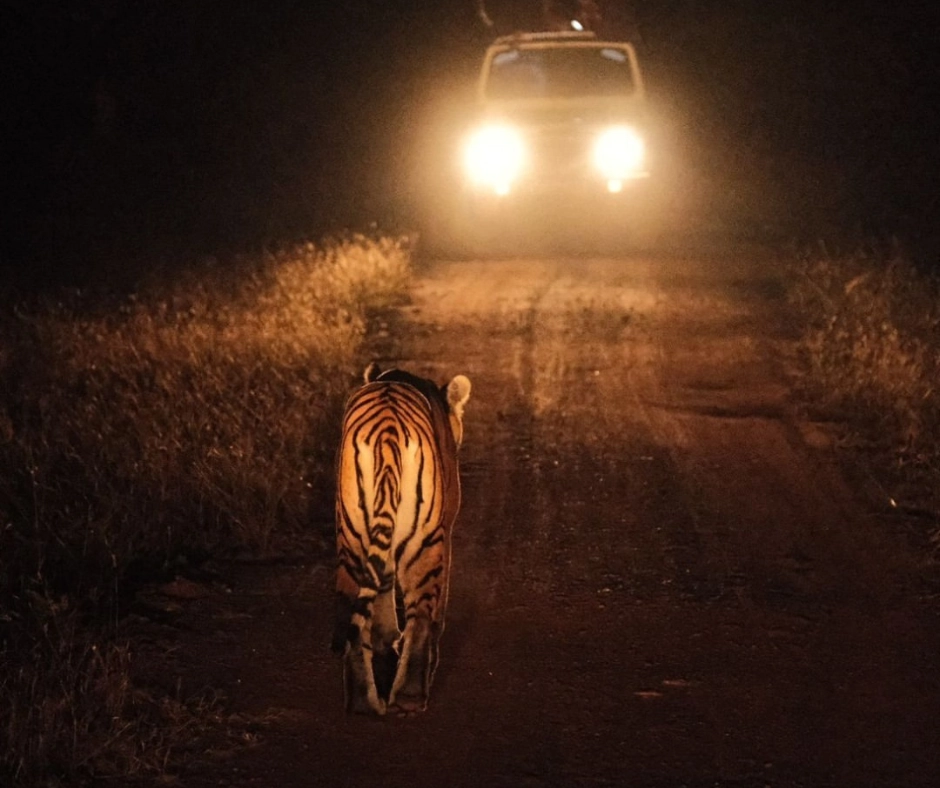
column 187, row 420
column 872, row 340
column 871, row 344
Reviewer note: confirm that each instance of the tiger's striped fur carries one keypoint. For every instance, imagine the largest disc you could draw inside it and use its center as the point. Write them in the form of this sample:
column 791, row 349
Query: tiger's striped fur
column 398, row 492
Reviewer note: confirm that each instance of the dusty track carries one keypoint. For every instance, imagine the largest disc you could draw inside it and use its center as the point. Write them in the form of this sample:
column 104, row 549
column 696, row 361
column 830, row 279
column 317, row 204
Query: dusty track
column 661, row 576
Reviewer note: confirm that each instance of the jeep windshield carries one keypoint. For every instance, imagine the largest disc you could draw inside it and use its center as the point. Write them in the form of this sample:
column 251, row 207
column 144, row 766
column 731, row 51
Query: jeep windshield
column 559, row 73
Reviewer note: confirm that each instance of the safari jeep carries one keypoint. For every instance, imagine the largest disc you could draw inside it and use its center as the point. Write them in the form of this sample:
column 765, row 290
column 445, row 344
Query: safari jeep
column 558, row 145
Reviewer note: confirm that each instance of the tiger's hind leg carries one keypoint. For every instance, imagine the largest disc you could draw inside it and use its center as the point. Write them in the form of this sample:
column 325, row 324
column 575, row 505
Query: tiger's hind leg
column 385, row 635
column 362, row 696
column 424, row 587
column 416, row 665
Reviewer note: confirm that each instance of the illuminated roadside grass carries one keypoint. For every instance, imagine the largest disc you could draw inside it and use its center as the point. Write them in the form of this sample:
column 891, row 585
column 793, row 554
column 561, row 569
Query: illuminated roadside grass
column 871, row 350
column 193, row 419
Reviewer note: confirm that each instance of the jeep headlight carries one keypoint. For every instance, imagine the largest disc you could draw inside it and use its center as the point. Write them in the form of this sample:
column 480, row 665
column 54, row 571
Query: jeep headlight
column 619, row 153
column 494, row 156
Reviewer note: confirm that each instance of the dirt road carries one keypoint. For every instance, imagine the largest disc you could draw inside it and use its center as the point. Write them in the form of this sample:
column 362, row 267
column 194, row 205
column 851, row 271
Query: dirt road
column 661, row 576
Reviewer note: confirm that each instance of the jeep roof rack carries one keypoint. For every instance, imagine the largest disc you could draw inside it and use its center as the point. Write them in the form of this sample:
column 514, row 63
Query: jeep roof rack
column 559, row 35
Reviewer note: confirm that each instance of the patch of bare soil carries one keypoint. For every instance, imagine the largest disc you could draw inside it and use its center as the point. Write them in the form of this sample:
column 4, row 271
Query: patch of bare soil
column 661, row 574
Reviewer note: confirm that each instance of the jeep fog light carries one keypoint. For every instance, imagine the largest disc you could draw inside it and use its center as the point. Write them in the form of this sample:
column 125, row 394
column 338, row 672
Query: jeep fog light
column 494, row 157
column 618, row 154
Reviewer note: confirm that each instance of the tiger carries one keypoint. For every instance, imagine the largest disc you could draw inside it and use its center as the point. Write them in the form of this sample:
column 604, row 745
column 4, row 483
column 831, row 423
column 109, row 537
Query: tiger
column 397, row 497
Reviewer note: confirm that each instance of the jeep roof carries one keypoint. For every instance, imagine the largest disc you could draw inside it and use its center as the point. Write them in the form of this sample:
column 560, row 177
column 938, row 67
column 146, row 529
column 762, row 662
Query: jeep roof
column 615, row 73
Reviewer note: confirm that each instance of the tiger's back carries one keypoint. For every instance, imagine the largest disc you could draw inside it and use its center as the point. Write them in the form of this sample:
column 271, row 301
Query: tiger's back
column 398, row 493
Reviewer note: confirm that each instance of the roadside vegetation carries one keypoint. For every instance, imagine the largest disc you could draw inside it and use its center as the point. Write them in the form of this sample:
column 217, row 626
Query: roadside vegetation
column 189, row 420
column 871, row 347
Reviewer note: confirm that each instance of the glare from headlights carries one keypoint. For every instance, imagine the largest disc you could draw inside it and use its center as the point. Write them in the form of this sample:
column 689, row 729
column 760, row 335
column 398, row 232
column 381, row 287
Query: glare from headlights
column 619, row 153
column 494, row 156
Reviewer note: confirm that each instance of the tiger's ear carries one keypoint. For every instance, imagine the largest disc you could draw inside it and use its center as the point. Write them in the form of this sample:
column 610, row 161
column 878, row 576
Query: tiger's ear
column 458, row 392
column 372, row 372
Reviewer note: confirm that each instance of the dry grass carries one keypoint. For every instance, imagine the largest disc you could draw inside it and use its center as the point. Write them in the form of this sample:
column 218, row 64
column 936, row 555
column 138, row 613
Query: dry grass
column 187, row 420
column 872, row 350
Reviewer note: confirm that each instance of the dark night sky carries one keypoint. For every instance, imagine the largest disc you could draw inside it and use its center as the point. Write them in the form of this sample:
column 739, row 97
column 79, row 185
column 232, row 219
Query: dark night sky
column 146, row 127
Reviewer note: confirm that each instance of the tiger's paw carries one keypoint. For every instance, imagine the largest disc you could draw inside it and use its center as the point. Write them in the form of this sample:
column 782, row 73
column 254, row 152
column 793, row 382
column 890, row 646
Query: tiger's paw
column 363, row 698
column 364, row 704
column 404, row 704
